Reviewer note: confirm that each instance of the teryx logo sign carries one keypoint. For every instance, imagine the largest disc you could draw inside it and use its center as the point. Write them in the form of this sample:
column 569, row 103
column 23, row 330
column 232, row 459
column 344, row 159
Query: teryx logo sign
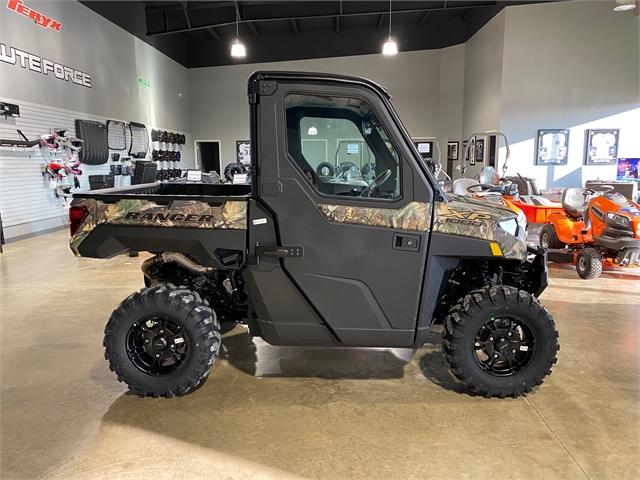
column 40, row 19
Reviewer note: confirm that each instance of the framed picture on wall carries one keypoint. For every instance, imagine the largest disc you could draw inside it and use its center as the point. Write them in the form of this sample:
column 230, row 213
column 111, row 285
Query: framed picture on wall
column 243, row 151
column 452, row 150
column 602, row 147
column 472, row 152
column 552, row 146
column 480, row 150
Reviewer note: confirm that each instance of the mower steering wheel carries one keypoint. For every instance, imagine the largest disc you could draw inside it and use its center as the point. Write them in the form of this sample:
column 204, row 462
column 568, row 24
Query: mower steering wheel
column 598, row 189
column 480, row 188
column 379, row 180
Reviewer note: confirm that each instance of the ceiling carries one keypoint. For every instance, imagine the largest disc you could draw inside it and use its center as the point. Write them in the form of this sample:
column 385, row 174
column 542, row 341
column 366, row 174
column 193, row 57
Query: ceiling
column 200, row 33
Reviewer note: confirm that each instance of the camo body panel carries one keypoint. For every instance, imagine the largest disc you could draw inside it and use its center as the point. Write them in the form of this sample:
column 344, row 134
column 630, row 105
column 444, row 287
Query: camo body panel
column 463, row 216
column 470, row 217
column 230, row 215
column 414, row 216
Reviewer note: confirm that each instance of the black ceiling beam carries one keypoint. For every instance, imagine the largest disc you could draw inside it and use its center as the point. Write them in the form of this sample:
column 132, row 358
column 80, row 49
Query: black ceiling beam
column 468, row 15
column 380, row 22
column 219, row 17
column 253, row 29
column 423, row 19
column 337, row 24
column 185, row 5
column 294, row 24
column 212, row 33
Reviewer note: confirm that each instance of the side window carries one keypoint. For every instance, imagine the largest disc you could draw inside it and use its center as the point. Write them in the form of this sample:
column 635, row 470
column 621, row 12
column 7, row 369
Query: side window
column 341, row 147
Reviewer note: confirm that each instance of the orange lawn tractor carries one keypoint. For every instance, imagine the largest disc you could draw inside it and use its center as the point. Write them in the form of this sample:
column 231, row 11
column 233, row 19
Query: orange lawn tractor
column 595, row 227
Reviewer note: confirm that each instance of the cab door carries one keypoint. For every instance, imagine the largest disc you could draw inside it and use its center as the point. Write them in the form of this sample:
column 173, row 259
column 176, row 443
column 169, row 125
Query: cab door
column 352, row 225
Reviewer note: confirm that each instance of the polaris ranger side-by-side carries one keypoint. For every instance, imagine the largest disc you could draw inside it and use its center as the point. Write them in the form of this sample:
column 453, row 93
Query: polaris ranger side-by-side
column 303, row 258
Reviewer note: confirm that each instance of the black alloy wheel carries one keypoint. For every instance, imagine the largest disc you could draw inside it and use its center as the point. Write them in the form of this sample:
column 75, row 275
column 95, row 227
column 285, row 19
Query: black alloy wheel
column 504, row 346
column 157, row 346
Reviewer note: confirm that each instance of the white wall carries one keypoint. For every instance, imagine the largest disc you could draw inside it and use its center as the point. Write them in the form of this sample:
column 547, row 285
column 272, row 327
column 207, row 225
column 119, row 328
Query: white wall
column 114, row 59
column 219, row 108
column 569, row 65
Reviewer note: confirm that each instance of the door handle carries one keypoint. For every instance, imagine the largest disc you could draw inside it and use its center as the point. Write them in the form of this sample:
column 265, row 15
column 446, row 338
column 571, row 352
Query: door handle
column 406, row 242
column 283, row 252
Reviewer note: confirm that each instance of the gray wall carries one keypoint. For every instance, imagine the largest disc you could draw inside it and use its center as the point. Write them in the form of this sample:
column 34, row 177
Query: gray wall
column 483, row 81
column 113, row 58
column 570, row 65
column 219, row 109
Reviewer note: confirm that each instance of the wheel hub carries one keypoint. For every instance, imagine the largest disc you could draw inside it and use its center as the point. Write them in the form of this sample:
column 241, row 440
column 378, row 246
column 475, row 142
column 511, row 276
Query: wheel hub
column 157, row 346
column 160, row 343
column 504, row 346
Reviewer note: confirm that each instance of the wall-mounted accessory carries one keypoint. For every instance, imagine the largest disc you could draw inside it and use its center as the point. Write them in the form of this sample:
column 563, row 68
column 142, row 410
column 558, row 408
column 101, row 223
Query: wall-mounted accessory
column 24, row 143
column 116, row 134
column 602, row 147
column 552, row 147
column 115, row 157
column 452, row 150
column 139, row 140
column 9, row 110
column 95, row 150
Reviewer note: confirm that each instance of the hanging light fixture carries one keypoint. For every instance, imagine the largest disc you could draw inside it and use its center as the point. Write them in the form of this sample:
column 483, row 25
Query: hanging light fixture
column 312, row 131
column 622, row 5
column 390, row 47
column 237, row 49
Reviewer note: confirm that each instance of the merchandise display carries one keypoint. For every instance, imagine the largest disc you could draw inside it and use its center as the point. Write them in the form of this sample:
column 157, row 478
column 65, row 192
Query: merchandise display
column 117, row 137
column 95, row 149
column 139, row 140
column 222, row 245
column 552, row 147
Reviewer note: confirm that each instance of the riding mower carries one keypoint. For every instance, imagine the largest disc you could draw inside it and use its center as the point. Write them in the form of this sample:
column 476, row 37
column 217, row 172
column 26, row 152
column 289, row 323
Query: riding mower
column 595, row 227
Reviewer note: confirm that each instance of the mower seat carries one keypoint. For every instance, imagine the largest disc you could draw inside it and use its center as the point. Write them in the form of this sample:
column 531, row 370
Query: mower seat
column 460, row 185
column 573, row 201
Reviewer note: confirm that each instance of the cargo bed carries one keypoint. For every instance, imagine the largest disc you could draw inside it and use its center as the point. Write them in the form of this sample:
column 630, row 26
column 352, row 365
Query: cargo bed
column 206, row 221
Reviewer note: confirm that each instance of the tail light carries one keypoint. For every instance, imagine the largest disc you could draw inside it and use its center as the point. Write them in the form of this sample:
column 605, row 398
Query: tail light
column 76, row 217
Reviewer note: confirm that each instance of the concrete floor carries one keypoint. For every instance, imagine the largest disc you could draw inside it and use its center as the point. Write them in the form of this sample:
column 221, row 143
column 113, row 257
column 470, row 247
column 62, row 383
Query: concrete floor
column 277, row 412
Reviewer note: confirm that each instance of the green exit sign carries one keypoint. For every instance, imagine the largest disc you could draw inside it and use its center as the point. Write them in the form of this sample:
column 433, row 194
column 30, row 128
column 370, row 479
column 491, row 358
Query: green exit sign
column 144, row 82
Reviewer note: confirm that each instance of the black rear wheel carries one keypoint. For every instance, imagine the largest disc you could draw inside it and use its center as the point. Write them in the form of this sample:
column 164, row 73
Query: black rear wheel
column 162, row 340
column 499, row 341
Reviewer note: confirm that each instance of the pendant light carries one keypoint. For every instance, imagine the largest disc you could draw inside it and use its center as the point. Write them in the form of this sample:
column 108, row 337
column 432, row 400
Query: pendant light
column 622, row 5
column 390, row 48
column 237, row 49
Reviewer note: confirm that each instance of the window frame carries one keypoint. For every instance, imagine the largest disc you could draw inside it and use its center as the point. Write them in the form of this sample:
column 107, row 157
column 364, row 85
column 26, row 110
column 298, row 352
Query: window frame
column 383, row 125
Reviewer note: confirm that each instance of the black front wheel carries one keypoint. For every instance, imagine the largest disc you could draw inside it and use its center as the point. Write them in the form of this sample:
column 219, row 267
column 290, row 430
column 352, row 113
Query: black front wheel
column 162, row 340
column 500, row 342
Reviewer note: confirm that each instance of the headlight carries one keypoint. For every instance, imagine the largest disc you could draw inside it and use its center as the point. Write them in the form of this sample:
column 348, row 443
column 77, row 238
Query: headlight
column 509, row 226
column 522, row 223
column 619, row 220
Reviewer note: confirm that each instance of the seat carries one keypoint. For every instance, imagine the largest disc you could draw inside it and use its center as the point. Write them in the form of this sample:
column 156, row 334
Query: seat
column 460, row 185
column 573, row 201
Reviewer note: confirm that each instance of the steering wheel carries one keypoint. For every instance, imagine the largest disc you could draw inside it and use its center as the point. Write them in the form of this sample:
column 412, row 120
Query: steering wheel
column 379, row 180
column 598, row 189
column 480, row 188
